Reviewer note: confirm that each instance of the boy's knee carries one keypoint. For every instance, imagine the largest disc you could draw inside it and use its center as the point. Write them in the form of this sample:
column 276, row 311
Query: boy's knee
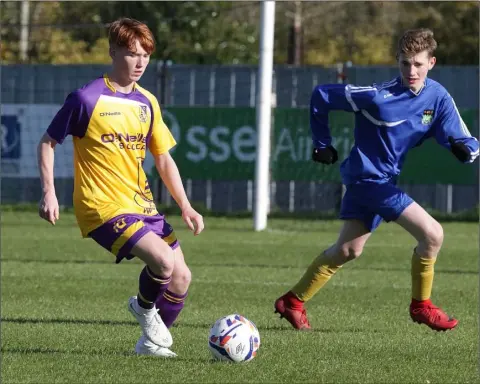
column 181, row 279
column 351, row 253
column 347, row 253
column 433, row 236
column 185, row 277
column 164, row 261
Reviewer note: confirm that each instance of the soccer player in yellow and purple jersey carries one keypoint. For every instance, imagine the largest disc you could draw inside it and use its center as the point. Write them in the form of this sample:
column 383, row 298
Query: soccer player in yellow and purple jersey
column 113, row 122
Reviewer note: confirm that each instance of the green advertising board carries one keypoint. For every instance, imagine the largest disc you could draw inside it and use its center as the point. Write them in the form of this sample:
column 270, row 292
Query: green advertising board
column 220, row 144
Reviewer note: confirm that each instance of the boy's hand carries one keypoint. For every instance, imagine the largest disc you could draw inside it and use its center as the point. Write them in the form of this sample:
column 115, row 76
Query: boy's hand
column 48, row 208
column 193, row 220
column 327, row 155
column 459, row 149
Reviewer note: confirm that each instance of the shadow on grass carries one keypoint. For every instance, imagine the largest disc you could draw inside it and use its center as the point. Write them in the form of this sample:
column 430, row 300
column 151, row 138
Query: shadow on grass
column 26, row 320
column 204, row 326
column 318, row 330
column 52, row 351
column 30, row 320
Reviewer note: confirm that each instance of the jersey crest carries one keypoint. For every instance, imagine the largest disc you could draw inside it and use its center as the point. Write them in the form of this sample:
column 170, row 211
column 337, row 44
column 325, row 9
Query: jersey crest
column 142, row 114
column 427, row 116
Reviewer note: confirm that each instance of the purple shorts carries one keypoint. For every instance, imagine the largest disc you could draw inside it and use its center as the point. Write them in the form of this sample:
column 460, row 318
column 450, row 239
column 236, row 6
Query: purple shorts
column 121, row 233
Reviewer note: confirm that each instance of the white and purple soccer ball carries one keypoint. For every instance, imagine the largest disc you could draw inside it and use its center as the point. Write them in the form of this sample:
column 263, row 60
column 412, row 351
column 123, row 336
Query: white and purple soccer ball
column 234, row 338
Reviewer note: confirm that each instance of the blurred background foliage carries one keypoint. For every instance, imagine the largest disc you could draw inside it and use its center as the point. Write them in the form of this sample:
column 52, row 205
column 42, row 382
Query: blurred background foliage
column 210, row 32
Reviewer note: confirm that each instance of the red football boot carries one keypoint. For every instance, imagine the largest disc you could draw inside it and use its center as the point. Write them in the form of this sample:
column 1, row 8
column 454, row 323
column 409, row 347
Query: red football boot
column 424, row 312
column 295, row 316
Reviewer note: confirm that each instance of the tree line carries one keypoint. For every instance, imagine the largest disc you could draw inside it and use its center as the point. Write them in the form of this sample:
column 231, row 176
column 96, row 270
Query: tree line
column 210, row 32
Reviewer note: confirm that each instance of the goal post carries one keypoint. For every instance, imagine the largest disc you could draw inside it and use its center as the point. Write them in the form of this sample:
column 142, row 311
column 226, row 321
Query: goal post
column 263, row 116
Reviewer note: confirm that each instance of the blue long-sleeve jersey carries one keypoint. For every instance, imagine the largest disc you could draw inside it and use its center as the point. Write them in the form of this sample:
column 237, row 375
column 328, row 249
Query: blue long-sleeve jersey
column 390, row 119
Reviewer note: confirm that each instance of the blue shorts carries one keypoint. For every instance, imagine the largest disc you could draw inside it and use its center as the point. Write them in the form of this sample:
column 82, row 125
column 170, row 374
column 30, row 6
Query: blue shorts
column 373, row 202
column 121, row 233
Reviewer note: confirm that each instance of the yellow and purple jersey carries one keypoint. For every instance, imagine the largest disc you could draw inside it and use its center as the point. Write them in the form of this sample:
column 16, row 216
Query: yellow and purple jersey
column 111, row 132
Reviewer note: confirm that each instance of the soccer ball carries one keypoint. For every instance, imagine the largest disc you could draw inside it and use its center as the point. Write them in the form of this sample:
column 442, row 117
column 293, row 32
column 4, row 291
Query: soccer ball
column 234, row 338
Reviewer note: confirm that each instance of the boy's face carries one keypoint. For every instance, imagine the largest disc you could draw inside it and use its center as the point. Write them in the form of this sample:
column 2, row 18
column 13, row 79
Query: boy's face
column 129, row 64
column 414, row 69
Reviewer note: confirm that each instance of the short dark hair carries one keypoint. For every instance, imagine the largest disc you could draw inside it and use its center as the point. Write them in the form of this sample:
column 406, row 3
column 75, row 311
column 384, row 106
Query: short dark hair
column 415, row 41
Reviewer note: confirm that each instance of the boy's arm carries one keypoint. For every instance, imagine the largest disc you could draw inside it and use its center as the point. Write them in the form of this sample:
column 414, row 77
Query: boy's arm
column 48, row 208
column 329, row 97
column 71, row 119
column 159, row 144
column 452, row 133
column 168, row 171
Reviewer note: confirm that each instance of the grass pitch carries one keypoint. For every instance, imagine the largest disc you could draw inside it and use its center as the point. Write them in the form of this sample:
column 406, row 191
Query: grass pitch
column 64, row 307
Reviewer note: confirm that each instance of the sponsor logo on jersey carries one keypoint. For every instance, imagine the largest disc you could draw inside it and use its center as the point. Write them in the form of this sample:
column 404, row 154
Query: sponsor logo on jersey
column 125, row 141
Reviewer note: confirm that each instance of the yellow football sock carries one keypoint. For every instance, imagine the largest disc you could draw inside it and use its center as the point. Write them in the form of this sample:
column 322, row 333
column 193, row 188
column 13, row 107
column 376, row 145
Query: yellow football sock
column 315, row 277
column 422, row 277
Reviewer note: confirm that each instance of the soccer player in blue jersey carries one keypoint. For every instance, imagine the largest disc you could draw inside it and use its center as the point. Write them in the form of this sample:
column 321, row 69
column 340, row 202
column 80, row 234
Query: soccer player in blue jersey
column 113, row 122
column 390, row 119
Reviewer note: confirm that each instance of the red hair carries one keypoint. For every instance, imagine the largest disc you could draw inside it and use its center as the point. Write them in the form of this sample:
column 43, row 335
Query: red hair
column 123, row 33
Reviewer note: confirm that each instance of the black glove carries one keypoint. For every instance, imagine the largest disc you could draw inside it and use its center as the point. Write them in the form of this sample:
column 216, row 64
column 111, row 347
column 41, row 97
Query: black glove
column 327, row 155
column 459, row 149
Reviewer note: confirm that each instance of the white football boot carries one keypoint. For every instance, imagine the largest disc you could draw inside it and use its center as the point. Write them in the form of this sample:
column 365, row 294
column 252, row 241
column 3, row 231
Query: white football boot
column 146, row 347
column 151, row 323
